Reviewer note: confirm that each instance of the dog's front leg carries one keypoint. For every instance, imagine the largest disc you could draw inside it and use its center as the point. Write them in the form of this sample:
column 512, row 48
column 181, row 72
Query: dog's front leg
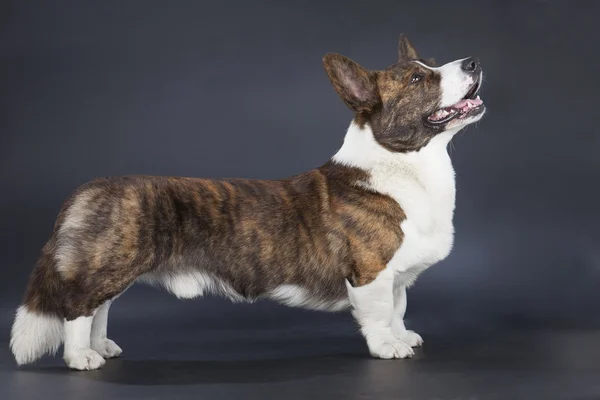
column 373, row 308
column 399, row 330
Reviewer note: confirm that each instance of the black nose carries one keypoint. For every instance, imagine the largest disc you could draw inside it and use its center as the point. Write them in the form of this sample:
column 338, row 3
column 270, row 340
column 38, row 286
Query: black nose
column 470, row 64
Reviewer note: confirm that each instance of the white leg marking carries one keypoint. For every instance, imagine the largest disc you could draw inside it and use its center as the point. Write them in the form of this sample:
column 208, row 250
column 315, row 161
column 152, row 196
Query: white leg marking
column 78, row 353
column 99, row 342
column 373, row 308
column 411, row 338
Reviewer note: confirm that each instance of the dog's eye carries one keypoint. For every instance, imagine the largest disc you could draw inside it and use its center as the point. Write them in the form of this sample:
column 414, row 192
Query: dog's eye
column 416, row 78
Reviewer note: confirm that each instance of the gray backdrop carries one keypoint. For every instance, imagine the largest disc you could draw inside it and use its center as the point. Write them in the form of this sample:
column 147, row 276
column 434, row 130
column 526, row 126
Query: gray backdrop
column 222, row 89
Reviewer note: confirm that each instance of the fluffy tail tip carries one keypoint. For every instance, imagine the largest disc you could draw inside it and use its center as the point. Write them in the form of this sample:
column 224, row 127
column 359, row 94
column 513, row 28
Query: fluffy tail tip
column 34, row 334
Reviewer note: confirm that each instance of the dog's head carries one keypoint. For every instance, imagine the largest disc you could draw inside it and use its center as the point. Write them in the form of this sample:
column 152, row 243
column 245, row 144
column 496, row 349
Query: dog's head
column 412, row 101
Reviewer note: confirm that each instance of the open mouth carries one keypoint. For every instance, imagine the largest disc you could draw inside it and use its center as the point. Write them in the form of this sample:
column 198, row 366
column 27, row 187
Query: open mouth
column 468, row 106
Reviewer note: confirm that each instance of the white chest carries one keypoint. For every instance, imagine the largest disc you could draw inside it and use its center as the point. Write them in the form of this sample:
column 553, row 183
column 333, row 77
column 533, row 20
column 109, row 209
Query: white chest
column 422, row 183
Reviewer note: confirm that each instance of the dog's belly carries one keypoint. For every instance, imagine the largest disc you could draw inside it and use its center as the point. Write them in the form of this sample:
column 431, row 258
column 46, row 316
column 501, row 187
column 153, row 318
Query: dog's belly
column 298, row 296
column 192, row 283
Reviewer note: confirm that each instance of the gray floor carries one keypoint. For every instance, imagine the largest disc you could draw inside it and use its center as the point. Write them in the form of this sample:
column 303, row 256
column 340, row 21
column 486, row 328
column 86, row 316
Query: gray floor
column 212, row 350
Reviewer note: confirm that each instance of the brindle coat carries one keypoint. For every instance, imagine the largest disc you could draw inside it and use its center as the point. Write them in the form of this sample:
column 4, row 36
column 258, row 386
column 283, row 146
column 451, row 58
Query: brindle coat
column 315, row 230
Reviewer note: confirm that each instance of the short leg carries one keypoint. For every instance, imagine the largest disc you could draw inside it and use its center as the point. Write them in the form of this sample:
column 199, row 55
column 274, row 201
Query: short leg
column 99, row 342
column 373, row 308
column 86, row 312
column 78, row 353
column 411, row 338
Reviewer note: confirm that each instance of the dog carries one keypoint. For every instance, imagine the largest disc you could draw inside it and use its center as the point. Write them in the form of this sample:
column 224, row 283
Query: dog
column 354, row 233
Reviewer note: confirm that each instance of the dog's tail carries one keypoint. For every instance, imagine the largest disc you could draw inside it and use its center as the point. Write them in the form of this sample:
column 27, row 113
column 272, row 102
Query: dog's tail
column 38, row 326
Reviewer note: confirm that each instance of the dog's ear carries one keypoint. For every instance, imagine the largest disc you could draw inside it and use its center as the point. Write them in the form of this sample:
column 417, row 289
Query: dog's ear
column 354, row 84
column 406, row 50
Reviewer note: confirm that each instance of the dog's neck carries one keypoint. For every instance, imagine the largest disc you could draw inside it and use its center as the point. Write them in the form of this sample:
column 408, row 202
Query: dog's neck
column 361, row 150
column 422, row 181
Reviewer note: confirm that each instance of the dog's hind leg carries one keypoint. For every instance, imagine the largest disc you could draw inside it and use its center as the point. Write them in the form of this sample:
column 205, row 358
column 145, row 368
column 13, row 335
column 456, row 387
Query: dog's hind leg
column 86, row 316
column 99, row 340
column 78, row 352
column 86, row 342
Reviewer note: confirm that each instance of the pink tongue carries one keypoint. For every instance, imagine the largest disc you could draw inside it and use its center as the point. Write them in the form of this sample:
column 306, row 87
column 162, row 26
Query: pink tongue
column 465, row 102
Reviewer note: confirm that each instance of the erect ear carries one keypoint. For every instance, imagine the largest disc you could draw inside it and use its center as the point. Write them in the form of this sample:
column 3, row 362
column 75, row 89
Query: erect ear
column 406, row 51
column 353, row 83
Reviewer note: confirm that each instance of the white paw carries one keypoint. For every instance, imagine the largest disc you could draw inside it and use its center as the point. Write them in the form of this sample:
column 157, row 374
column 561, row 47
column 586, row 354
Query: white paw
column 84, row 360
column 411, row 338
column 106, row 348
column 390, row 347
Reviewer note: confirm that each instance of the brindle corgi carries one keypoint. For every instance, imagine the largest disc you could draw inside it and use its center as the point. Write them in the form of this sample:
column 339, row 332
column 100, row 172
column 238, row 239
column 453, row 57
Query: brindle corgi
column 353, row 233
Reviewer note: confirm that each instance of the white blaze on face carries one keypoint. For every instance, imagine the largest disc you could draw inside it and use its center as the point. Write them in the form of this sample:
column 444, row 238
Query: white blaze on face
column 455, row 83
